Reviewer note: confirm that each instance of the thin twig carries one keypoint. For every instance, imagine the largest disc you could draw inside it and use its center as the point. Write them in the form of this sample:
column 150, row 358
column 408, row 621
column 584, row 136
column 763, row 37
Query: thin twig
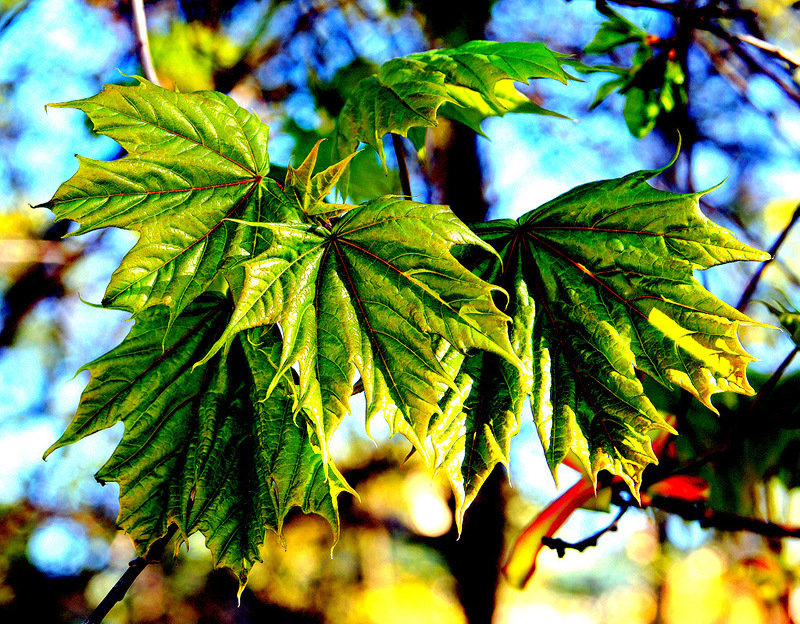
column 750, row 61
column 682, row 8
column 751, row 286
column 135, row 568
column 770, row 49
column 720, row 520
column 560, row 546
column 769, row 386
column 142, row 40
column 399, row 152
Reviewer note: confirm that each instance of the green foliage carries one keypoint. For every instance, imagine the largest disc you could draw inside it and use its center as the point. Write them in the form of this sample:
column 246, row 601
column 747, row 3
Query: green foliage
column 652, row 86
column 203, row 447
column 194, row 161
column 789, row 318
column 260, row 309
column 467, row 84
column 190, row 53
column 371, row 293
column 608, row 267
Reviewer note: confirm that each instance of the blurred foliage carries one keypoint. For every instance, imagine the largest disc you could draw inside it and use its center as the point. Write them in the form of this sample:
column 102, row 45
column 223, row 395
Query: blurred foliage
column 189, row 54
column 654, row 82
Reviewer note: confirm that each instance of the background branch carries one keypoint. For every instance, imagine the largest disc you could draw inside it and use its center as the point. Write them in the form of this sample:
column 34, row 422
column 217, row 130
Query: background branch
column 710, row 518
column 135, row 568
column 751, row 286
column 770, row 49
column 143, row 42
column 754, row 65
column 560, row 546
column 399, row 152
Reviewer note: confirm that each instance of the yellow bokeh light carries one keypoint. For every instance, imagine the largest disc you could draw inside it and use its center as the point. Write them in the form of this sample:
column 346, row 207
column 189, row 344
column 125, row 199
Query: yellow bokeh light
column 398, row 603
column 428, row 509
column 642, row 547
column 632, row 605
column 746, row 610
column 695, row 592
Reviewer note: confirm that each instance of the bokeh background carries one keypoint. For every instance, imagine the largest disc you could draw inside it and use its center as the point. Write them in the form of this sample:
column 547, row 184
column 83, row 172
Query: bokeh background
column 398, row 559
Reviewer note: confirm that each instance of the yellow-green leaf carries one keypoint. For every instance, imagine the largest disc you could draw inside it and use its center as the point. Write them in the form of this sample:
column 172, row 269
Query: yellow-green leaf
column 373, row 294
column 610, row 267
column 203, row 447
column 194, row 160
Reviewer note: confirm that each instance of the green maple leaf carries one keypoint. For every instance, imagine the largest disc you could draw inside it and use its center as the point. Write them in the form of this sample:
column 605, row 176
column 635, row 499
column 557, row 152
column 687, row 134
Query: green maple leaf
column 308, row 190
column 194, row 160
column 203, row 447
column 374, row 294
column 481, row 415
column 609, row 268
column 788, row 317
column 479, row 418
column 468, row 84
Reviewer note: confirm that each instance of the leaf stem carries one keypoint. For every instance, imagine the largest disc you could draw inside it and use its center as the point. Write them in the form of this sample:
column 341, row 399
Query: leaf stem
column 770, row 384
column 143, row 41
column 560, row 546
column 751, row 286
column 713, row 519
column 399, row 152
column 135, row 567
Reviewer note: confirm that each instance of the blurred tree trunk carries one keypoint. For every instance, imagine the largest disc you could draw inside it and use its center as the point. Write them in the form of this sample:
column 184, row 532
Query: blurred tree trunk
column 474, row 559
column 456, row 171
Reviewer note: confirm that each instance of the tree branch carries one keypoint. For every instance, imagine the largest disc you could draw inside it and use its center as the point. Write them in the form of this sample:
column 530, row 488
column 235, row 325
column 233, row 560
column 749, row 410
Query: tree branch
column 142, row 40
column 680, row 9
column 135, row 567
column 708, row 518
column 754, row 65
column 721, row 520
column 769, row 386
column 770, row 49
column 751, row 286
column 560, row 546
column 399, row 152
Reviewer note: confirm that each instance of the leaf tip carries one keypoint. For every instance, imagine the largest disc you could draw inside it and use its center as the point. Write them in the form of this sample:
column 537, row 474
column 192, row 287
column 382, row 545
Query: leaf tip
column 50, row 449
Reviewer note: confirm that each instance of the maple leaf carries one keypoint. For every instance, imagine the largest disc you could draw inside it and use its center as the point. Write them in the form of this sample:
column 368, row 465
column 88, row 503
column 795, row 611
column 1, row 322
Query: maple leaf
column 788, row 317
column 372, row 294
column 203, row 447
column 609, row 267
column 468, row 84
column 194, row 160
column 308, row 190
column 479, row 418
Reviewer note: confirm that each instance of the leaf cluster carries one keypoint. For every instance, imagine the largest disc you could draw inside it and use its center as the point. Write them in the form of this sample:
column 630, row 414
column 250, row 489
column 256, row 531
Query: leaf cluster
column 654, row 83
column 260, row 307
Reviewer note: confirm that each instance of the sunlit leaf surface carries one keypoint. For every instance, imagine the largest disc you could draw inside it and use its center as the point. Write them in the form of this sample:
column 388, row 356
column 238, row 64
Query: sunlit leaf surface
column 468, row 84
column 371, row 294
column 609, row 266
column 194, row 160
column 203, row 447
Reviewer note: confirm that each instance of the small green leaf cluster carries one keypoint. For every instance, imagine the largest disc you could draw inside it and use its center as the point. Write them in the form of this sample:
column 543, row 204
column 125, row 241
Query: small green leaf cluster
column 260, row 308
column 652, row 85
